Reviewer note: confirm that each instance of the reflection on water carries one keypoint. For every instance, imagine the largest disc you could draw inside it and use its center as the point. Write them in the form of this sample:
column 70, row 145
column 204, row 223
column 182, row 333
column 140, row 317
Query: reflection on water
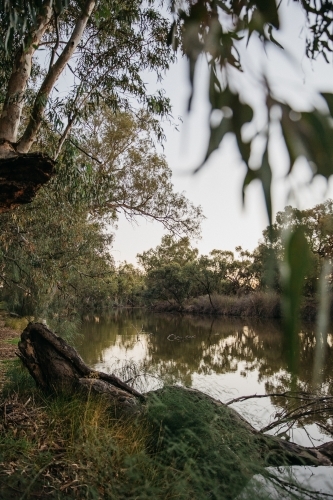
column 223, row 357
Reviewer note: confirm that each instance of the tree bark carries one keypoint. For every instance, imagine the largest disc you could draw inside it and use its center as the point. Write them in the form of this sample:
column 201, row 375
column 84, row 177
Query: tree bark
column 56, row 366
column 52, row 76
column 14, row 100
column 21, row 176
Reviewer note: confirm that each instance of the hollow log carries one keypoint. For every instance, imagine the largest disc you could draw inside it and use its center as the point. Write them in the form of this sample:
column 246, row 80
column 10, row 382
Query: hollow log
column 56, row 366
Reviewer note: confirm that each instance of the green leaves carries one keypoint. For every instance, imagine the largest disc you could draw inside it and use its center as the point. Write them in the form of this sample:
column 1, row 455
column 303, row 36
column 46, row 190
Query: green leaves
column 309, row 134
column 296, row 264
column 234, row 114
column 264, row 175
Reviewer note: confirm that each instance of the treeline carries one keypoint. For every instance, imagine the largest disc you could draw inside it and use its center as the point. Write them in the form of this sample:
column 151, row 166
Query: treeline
column 241, row 283
column 55, row 259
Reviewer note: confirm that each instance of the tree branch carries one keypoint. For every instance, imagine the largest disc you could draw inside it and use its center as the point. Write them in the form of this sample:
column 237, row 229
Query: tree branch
column 52, row 76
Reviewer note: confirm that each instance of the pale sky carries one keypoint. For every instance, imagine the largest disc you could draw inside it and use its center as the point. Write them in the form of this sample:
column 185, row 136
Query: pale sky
column 217, row 187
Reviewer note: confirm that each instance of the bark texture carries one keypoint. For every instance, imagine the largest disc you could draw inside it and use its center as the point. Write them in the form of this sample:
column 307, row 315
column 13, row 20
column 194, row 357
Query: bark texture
column 21, row 175
column 51, row 78
column 55, row 365
column 14, row 100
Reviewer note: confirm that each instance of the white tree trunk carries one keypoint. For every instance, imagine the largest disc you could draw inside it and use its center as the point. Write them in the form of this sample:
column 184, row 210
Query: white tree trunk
column 52, row 76
column 12, row 108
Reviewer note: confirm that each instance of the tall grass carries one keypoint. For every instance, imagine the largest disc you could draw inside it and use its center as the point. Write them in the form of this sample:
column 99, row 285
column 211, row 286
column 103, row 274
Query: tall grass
column 182, row 446
column 258, row 304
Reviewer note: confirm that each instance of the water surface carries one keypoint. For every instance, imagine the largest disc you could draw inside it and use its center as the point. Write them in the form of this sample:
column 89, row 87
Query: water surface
column 223, row 357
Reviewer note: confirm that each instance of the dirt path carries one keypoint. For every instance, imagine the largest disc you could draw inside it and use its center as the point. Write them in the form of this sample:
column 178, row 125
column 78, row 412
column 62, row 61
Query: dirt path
column 7, row 349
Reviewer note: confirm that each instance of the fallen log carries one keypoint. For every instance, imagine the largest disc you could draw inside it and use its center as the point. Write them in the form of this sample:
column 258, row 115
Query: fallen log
column 56, row 366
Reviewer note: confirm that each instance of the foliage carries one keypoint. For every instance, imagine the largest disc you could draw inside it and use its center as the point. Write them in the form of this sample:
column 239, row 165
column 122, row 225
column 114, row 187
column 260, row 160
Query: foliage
column 104, row 66
column 55, row 253
column 126, row 174
column 288, row 261
column 106, row 69
column 176, row 272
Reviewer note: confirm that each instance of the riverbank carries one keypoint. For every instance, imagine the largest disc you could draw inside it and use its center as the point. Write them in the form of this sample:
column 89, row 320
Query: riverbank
column 253, row 305
column 183, row 444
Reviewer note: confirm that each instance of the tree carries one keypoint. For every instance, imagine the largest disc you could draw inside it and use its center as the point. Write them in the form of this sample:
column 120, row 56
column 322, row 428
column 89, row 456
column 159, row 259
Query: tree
column 166, row 269
column 125, row 173
column 54, row 253
column 104, row 46
column 317, row 226
column 170, row 250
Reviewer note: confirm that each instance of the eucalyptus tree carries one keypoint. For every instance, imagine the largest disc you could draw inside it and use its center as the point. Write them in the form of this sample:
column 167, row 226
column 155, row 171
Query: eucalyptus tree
column 61, row 60
column 126, row 173
column 104, row 46
column 55, row 253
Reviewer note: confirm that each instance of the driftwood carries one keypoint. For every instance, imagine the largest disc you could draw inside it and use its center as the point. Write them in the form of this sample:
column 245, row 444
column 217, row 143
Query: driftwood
column 56, row 366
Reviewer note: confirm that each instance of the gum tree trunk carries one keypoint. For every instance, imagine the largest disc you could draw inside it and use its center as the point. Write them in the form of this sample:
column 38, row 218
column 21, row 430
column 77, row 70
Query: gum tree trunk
column 23, row 173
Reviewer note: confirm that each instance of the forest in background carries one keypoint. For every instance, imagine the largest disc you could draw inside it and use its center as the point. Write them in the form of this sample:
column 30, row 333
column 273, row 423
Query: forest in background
column 60, row 266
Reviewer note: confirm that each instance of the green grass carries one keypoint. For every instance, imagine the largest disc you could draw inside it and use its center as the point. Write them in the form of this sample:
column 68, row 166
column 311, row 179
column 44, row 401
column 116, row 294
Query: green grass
column 69, row 446
column 18, row 324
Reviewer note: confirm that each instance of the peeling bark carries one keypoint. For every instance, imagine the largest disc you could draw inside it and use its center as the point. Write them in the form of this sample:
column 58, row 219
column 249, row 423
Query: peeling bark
column 21, row 176
column 14, row 100
column 52, row 76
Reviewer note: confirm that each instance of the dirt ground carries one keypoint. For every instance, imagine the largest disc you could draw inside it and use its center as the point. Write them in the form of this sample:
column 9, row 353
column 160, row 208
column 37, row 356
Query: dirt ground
column 7, row 349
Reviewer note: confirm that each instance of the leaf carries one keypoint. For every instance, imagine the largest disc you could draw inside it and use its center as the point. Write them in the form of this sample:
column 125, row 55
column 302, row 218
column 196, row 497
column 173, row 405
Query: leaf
column 296, row 264
column 171, row 34
column 272, row 39
column 264, row 175
column 292, row 140
column 216, row 136
column 316, row 134
column 329, row 101
column 218, row 97
column 242, row 113
column 268, row 10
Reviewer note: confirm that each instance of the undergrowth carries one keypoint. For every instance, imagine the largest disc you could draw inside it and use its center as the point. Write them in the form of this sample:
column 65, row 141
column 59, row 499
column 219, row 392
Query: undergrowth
column 74, row 447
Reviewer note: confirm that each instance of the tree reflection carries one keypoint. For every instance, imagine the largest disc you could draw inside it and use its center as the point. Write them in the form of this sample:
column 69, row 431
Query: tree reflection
column 176, row 347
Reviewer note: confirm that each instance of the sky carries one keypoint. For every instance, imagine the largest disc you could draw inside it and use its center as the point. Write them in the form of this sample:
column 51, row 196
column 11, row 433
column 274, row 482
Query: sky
column 218, row 186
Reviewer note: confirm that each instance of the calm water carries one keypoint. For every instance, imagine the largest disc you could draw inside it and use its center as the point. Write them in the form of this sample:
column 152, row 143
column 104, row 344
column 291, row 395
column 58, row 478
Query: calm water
column 225, row 358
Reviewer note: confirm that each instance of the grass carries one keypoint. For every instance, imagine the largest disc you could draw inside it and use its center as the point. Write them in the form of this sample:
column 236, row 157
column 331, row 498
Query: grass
column 12, row 341
column 18, row 324
column 74, row 447
column 63, row 446
column 256, row 304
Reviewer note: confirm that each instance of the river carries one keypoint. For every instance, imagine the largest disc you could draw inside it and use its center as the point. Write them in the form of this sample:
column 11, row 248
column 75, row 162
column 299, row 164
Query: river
column 223, row 357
